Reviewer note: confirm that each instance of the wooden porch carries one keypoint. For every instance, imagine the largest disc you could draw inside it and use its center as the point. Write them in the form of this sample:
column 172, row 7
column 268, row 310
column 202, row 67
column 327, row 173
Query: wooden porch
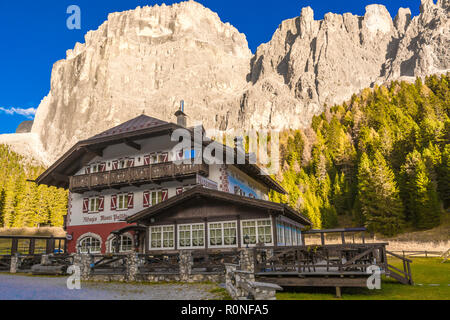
column 341, row 265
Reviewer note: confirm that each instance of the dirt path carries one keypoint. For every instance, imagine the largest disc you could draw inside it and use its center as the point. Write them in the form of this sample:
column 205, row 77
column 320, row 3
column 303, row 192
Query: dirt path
column 21, row 287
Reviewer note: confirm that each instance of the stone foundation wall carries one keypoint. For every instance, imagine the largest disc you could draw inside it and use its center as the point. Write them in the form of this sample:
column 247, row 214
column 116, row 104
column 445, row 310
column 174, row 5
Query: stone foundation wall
column 132, row 274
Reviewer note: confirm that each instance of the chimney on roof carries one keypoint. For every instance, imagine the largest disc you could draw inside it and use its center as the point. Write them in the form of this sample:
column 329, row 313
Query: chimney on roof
column 181, row 116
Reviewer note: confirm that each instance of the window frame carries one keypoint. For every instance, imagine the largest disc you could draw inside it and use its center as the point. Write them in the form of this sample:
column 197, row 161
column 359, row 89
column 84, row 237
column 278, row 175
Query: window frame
column 89, row 251
column 156, row 191
column 179, row 247
column 243, row 244
column 112, row 246
column 97, row 204
column 223, row 245
column 119, row 195
column 162, row 237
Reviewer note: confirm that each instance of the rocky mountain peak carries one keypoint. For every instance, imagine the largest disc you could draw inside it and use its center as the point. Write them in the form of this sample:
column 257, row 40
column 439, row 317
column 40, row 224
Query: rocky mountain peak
column 150, row 58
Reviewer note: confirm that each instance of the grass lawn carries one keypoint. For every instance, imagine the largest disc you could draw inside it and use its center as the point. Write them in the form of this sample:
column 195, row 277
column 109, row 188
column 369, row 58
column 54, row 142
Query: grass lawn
column 425, row 271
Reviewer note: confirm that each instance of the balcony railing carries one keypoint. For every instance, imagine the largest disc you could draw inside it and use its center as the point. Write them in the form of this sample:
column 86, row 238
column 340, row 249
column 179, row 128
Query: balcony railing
column 135, row 176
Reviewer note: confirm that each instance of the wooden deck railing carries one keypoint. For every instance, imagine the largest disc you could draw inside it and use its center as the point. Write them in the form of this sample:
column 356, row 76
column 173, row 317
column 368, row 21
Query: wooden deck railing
column 405, row 275
column 135, row 175
column 328, row 259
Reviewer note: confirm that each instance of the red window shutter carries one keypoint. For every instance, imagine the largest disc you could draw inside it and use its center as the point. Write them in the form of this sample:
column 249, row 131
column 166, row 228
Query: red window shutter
column 87, row 170
column 165, row 157
column 165, row 194
column 130, row 163
column 146, row 199
column 102, row 167
column 85, row 205
column 115, row 165
column 146, row 160
column 113, row 202
column 179, row 190
column 130, row 200
column 101, row 204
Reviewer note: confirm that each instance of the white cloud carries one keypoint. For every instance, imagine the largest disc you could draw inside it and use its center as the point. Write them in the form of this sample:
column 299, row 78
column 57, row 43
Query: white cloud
column 26, row 112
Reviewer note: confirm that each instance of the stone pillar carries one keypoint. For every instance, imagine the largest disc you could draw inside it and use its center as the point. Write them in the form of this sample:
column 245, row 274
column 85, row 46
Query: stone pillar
column 45, row 260
column 186, row 263
column 15, row 263
column 132, row 266
column 247, row 262
column 83, row 261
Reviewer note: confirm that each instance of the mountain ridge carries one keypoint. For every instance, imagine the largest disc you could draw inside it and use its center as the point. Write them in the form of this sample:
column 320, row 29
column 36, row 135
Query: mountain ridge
column 147, row 59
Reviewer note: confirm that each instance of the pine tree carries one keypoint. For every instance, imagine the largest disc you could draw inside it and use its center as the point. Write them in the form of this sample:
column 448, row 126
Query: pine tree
column 386, row 139
column 443, row 171
column 379, row 197
column 2, row 206
column 23, row 203
column 420, row 195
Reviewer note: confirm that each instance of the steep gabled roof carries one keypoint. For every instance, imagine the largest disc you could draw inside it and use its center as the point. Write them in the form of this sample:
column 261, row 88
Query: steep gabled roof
column 138, row 128
column 138, row 123
column 200, row 191
column 84, row 151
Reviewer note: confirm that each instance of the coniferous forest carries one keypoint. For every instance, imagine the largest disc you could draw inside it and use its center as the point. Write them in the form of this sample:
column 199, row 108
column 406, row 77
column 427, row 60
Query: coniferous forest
column 382, row 159
column 23, row 203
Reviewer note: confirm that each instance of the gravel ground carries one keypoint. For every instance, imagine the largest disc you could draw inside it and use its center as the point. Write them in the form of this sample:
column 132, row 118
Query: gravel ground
column 21, row 287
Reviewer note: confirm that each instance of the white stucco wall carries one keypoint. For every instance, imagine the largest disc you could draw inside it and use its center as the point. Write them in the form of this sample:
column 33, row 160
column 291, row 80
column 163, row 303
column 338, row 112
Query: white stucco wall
column 148, row 146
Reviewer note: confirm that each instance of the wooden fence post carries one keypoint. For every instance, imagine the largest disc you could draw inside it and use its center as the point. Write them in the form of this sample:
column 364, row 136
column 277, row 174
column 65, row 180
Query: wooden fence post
column 31, row 246
column 14, row 245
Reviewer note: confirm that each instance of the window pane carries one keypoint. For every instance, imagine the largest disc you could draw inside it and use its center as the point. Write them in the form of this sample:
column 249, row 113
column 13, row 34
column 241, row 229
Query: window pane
column 156, row 237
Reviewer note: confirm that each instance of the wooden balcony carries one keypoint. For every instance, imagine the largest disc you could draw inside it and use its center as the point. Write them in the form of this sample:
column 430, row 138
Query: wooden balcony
column 154, row 173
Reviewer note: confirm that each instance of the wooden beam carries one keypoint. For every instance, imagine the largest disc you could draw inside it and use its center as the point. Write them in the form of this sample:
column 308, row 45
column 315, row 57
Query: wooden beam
column 60, row 177
column 98, row 153
column 133, row 144
column 274, row 229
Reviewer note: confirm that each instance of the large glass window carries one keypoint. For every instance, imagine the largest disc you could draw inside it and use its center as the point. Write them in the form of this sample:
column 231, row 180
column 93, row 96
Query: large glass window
column 280, row 234
column 222, row 234
column 191, row 236
column 162, row 237
column 90, row 245
column 256, row 231
column 287, row 235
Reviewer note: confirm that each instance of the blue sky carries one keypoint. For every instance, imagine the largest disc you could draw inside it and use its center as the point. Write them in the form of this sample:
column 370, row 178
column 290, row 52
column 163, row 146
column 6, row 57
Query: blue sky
column 34, row 36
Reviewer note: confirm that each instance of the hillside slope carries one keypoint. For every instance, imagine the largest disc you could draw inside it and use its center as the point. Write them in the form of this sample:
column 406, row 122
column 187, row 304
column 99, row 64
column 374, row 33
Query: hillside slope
column 383, row 158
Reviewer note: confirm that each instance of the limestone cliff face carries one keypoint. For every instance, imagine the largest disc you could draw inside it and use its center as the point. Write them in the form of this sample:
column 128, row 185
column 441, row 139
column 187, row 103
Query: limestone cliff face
column 147, row 59
column 150, row 58
column 309, row 64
